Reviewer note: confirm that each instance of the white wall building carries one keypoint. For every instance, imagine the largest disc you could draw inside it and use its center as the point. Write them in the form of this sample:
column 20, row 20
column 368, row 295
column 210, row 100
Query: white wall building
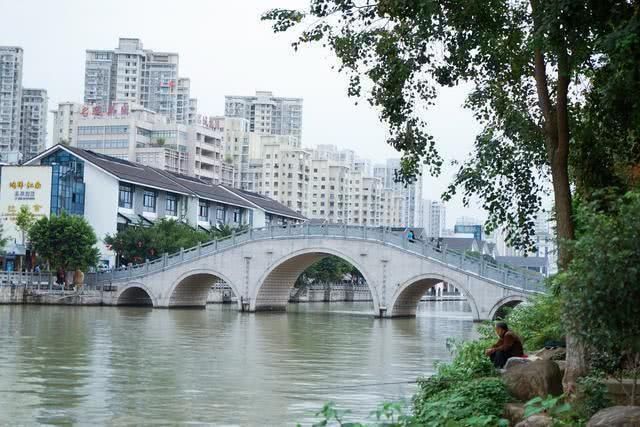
column 280, row 170
column 411, row 209
column 63, row 122
column 112, row 193
column 23, row 111
column 267, row 114
column 136, row 134
column 435, row 218
column 11, row 61
column 33, row 122
column 130, row 73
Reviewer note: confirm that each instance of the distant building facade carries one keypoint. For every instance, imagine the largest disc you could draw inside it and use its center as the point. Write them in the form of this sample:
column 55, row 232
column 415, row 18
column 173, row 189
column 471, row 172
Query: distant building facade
column 267, row 114
column 434, row 218
column 23, row 111
column 64, row 118
column 131, row 73
column 136, row 134
column 11, row 62
column 411, row 207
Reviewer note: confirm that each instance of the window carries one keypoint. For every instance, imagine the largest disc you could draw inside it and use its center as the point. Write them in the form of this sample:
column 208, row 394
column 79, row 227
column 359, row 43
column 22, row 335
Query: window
column 220, row 214
column 90, row 130
column 116, row 129
column 149, row 201
column 171, row 207
column 236, row 216
column 125, row 196
column 203, row 211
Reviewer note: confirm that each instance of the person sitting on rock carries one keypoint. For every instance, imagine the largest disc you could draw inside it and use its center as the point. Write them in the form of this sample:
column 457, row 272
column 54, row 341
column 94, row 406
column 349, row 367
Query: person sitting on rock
column 508, row 345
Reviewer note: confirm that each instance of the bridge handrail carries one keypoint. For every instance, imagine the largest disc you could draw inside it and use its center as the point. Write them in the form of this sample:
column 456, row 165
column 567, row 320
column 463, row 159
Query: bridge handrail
column 504, row 275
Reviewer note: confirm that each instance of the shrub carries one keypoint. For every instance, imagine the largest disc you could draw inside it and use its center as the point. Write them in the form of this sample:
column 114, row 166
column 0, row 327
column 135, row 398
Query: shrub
column 388, row 414
column 537, row 321
column 464, row 392
column 465, row 403
column 602, row 283
column 592, row 396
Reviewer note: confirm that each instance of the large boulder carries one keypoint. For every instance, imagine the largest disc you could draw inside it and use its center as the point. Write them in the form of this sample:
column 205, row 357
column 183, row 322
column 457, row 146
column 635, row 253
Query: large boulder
column 539, row 378
column 557, row 353
column 513, row 412
column 616, row 416
column 512, row 361
column 536, row 421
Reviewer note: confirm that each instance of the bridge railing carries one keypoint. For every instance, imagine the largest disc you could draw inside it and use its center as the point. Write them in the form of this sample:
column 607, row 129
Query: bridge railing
column 27, row 279
column 525, row 280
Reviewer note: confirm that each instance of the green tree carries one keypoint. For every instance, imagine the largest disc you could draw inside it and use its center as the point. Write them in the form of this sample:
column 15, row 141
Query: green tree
column 548, row 80
column 602, row 284
column 135, row 244
column 24, row 221
column 66, row 241
column 331, row 269
column 3, row 240
column 225, row 230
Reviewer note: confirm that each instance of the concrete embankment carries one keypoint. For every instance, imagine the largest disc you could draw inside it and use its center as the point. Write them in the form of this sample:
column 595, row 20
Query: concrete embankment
column 21, row 295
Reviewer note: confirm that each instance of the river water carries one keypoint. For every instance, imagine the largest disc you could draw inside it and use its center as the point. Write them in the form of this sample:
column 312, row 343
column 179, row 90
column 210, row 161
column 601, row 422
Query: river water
column 117, row 365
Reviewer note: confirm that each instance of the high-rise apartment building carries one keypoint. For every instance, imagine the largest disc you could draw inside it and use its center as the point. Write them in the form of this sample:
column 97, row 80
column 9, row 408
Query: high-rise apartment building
column 280, row 170
column 11, row 59
column 366, row 202
column 63, row 122
column 130, row 73
column 33, row 122
column 267, row 114
column 329, row 190
column 435, row 218
column 411, row 208
column 23, row 112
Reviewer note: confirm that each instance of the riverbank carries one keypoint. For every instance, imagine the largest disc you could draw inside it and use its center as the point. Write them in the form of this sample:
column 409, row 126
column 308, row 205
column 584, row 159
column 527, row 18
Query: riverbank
column 24, row 295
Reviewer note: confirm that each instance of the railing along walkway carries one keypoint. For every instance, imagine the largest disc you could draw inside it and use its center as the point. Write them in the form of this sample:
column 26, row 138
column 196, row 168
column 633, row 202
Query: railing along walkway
column 501, row 275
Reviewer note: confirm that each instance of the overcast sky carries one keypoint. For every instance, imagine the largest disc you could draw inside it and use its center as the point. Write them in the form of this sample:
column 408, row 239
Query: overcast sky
column 226, row 50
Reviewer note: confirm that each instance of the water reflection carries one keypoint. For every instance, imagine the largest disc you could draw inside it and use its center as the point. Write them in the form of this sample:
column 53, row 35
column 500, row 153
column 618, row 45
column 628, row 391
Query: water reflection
column 80, row 365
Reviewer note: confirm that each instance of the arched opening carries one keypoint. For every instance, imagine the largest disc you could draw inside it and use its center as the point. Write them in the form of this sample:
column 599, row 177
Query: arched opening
column 428, row 288
column 197, row 288
column 322, row 276
column 135, row 296
column 503, row 308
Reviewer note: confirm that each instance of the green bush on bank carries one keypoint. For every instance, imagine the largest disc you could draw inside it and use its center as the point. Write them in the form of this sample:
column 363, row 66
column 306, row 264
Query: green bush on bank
column 537, row 321
column 464, row 392
column 465, row 403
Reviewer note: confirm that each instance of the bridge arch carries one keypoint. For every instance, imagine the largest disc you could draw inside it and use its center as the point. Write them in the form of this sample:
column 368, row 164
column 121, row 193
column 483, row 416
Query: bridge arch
column 405, row 299
column 497, row 311
column 192, row 288
column 136, row 294
column 272, row 289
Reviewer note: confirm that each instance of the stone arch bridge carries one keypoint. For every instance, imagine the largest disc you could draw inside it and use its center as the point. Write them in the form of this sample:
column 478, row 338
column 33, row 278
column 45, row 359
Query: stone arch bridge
column 261, row 266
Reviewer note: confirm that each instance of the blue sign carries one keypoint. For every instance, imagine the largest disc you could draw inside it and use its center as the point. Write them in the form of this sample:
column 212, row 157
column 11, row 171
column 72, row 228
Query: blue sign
column 476, row 230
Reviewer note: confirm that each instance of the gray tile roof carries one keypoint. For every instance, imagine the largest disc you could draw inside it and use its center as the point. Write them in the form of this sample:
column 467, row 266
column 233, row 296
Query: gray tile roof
column 207, row 191
column 269, row 205
column 130, row 172
column 177, row 183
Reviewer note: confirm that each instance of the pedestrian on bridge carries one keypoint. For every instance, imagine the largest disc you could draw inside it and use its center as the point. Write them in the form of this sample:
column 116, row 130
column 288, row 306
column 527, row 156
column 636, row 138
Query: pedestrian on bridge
column 508, row 345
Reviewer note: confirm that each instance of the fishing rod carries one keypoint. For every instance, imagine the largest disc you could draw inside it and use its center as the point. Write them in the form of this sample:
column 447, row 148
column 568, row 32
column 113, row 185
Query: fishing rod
column 367, row 385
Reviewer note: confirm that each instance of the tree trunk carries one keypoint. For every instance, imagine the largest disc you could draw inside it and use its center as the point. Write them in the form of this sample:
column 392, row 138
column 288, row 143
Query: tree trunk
column 557, row 137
